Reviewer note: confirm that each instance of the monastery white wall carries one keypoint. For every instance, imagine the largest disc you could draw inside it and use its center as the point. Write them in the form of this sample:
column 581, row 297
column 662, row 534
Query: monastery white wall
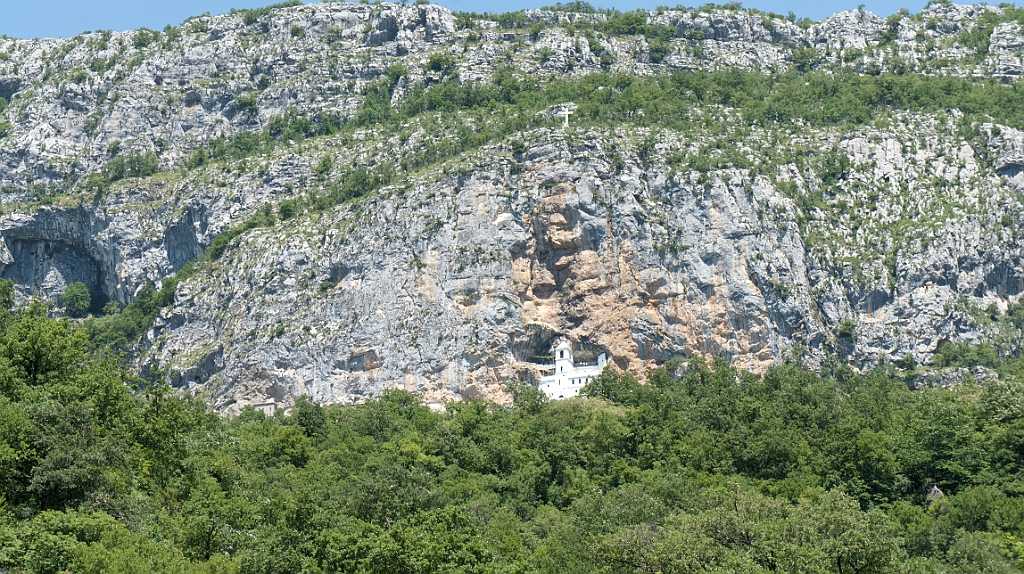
column 567, row 378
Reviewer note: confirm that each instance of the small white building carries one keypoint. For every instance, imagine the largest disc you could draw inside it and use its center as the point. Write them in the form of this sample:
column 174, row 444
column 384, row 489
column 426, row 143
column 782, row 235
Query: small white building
column 567, row 377
column 268, row 409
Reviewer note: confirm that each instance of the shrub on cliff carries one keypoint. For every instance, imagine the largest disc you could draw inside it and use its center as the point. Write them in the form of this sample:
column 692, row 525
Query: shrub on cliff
column 76, row 299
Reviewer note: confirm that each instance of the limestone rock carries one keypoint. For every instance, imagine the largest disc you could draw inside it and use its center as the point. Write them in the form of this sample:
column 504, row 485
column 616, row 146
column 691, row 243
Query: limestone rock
column 456, row 280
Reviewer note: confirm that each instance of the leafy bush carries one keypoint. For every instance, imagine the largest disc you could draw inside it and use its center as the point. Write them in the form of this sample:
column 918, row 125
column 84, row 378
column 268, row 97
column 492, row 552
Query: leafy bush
column 7, row 294
column 323, row 167
column 262, row 218
column 966, row 355
column 76, row 299
column 658, row 48
column 130, row 165
column 847, row 329
column 892, row 26
column 78, row 75
column 440, row 62
column 635, row 24
column 100, row 65
column 832, row 166
column 333, row 34
column 575, row 7
column 121, row 167
column 628, row 24
column 144, row 37
column 247, row 103
column 396, row 71
column 852, row 55
column 287, row 209
column 196, row 159
column 805, row 59
column 251, row 16
column 510, row 19
column 465, row 20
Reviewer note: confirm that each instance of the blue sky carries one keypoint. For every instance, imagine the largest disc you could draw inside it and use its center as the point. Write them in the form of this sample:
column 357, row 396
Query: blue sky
column 63, row 18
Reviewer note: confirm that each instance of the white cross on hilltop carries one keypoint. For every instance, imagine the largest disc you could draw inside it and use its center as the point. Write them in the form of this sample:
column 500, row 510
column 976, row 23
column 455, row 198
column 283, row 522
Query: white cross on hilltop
column 564, row 109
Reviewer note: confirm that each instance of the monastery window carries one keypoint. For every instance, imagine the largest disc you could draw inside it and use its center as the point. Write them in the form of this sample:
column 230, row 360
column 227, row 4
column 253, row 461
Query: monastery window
column 561, row 354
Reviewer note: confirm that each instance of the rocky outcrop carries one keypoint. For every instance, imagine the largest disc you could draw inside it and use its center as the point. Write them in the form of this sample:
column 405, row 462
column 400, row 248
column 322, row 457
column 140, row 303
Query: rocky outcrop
column 1007, row 146
column 457, row 286
column 950, row 377
column 565, row 249
column 172, row 92
column 456, row 281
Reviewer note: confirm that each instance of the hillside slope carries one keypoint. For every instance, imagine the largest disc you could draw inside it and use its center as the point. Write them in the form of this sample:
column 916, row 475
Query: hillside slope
column 399, row 203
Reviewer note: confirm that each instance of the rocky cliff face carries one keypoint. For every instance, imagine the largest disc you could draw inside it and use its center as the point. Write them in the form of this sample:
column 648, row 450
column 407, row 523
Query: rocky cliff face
column 457, row 279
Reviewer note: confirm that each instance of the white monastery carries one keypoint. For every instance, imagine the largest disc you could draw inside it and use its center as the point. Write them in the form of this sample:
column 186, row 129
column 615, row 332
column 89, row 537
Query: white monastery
column 567, row 377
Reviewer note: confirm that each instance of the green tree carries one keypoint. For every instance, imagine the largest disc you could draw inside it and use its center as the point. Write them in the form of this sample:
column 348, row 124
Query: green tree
column 40, row 349
column 309, row 416
column 6, row 294
column 76, row 299
column 433, row 542
column 440, row 62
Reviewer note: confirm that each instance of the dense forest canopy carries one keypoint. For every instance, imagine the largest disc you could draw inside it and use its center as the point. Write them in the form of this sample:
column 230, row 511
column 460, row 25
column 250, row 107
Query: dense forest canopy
column 698, row 467
column 702, row 468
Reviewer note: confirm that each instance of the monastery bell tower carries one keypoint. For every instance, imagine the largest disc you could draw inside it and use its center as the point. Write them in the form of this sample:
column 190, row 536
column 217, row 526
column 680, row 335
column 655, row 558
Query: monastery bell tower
column 563, row 358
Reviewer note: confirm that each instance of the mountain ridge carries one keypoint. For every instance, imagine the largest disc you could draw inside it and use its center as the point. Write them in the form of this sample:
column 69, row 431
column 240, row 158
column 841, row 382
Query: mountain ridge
column 399, row 205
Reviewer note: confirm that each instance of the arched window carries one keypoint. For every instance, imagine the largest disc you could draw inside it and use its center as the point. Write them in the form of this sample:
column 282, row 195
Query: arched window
column 561, row 354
